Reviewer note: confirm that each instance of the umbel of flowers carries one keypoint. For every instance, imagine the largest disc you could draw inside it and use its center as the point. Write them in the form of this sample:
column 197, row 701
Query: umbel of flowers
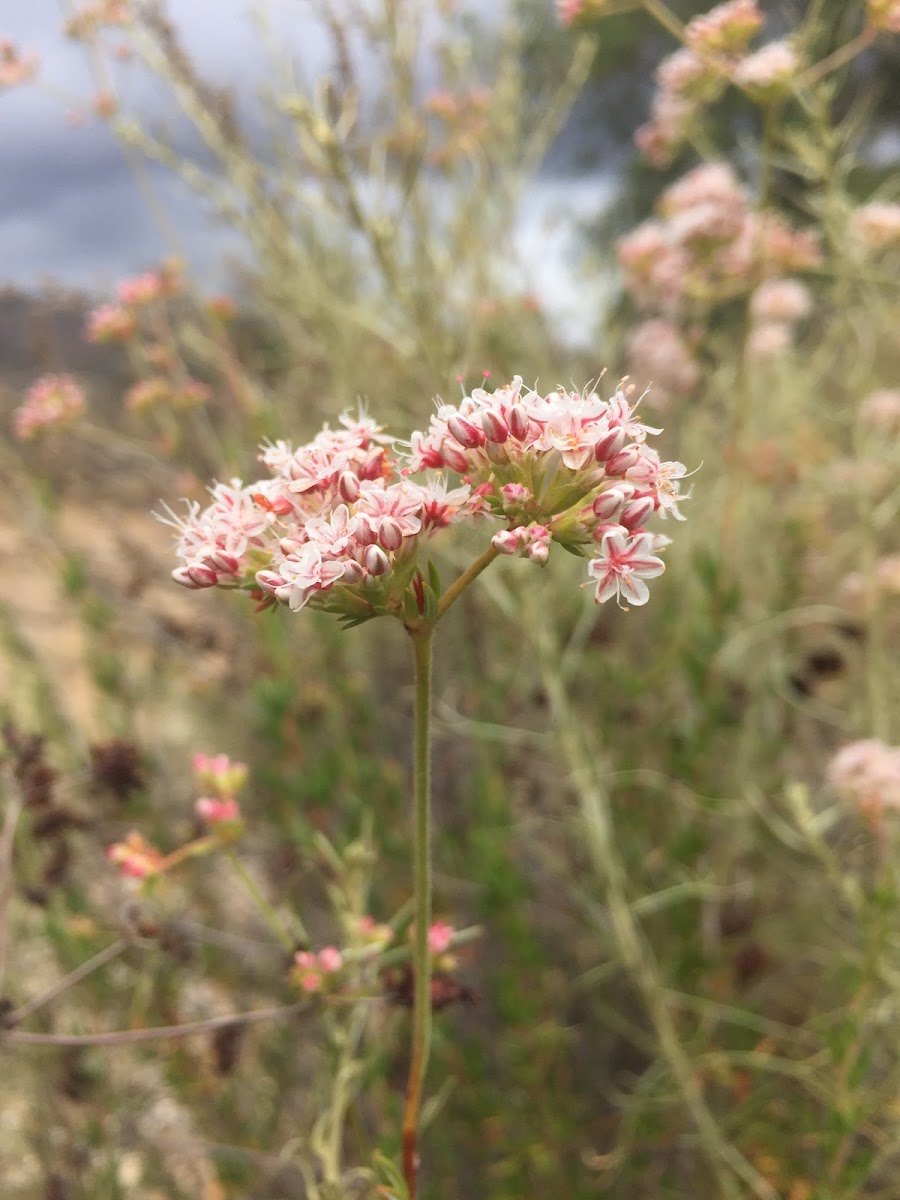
column 341, row 523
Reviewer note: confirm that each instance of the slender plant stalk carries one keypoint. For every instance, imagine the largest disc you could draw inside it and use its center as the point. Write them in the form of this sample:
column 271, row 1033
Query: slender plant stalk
column 422, row 646
column 273, row 920
column 455, row 590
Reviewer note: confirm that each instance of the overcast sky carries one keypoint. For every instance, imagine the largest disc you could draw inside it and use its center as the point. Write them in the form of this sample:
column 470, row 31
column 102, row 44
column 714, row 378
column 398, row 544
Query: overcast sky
column 71, row 209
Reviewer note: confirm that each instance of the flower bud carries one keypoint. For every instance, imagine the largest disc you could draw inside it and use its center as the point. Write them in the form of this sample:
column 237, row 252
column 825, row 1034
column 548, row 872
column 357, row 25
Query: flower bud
column 636, row 512
column 270, row 581
column 195, row 576
column 506, row 541
column 348, row 486
column 466, row 432
column 353, row 572
column 226, row 563
column 517, row 422
column 377, row 562
column 623, row 461
column 610, row 444
column 607, row 504
column 494, row 426
column 454, row 458
column 390, row 535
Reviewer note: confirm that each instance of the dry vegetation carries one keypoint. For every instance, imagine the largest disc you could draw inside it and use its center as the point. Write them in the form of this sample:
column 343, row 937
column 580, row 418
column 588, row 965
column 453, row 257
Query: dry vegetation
column 688, row 974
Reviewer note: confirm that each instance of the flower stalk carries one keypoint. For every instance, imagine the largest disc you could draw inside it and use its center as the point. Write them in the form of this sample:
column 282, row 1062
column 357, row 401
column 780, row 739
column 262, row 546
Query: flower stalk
column 422, row 638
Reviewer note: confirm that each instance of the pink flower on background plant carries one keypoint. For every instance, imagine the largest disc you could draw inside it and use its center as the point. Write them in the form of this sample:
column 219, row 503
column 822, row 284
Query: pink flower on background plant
column 440, row 937
column 884, row 15
column 311, row 970
column 14, row 68
column 725, row 29
column 769, row 71
column 769, row 339
column 880, row 410
column 216, row 811
column 135, row 857
column 51, row 402
column 111, row 323
column 868, row 774
column 781, row 300
column 219, row 773
column 876, row 225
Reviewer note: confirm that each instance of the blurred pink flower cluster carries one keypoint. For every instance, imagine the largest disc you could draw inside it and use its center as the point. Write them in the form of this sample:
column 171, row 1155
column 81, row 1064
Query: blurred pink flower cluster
column 716, row 54
column 311, row 970
column 88, row 19
column 340, row 522
column 876, row 226
column 884, row 15
column 706, row 245
column 140, row 317
column 15, row 68
column 868, row 774
column 50, row 403
column 222, row 779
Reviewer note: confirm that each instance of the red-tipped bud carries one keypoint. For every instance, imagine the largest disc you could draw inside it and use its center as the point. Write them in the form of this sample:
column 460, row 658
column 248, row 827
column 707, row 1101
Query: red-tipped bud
column 377, row 562
column 270, row 581
column 195, row 576
column 607, row 504
column 466, row 432
column 373, row 465
column 390, row 535
column 610, row 444
column 348, row 486
column 506, row 542
column 494, row 426
column 623, row 461
column 366, row 532
column 353, row 572
column 228, row 564
column 517, row 422
column 636, row 512
column 454, row 458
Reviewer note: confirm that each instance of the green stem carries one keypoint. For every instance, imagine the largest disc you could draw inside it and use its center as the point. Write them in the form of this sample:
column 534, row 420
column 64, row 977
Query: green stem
column 665, row 17
column 273, row 920
column 455, row 590
column 422, row 644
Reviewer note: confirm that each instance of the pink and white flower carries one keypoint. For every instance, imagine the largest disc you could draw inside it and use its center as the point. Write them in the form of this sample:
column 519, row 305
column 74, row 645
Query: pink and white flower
column 625, row 562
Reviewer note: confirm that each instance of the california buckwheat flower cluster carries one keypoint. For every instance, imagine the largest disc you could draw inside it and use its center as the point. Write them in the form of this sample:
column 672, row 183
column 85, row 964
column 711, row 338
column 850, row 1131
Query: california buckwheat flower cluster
column 341, row 523
column 51, row 402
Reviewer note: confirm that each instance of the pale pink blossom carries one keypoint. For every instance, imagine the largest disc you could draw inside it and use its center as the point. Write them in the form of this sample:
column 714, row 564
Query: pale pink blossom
column 880, row 410
column 52, row 402
column 142, row 289
column 135, row 857
column 876, row 225
column 216, row 812
column 659, row 355
column 15, row 68
column 440, row 937
column 781, row 300
column 769, row 71
column 769, row 339
column 868, row 774
column 725, row 29
column 884, row 15
column 625, row 562
column 110, row 323
column 311, row 970
column 219, row 773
